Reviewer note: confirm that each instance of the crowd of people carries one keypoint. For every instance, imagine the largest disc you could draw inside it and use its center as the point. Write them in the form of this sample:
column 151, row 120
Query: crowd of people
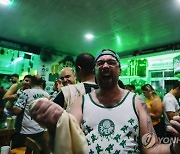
column 94, row 110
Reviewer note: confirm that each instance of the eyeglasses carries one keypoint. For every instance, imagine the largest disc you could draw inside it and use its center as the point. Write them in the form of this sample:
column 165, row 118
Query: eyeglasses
column 109, row 62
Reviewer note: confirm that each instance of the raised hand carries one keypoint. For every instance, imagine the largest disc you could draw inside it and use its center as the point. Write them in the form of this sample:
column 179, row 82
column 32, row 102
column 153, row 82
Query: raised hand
column 46, row 113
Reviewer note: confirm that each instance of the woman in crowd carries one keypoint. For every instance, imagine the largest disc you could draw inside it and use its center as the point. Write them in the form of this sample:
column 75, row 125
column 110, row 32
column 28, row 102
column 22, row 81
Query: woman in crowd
column 154, row 105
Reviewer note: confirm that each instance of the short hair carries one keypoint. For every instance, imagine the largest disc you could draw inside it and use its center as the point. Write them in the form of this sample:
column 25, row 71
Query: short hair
column 130, row 86
column 15, row 75
column 176, row 84
column 86, row 62
column 27, row 76
column 36, row 80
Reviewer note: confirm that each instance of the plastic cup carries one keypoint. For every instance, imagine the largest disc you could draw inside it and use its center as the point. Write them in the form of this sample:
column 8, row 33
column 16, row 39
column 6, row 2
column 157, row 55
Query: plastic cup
column 5, row 149
column 13, row 121
column 9, row 121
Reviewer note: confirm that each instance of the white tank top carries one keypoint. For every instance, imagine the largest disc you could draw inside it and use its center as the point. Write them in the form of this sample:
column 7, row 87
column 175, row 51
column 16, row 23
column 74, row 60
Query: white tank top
column 111, row 129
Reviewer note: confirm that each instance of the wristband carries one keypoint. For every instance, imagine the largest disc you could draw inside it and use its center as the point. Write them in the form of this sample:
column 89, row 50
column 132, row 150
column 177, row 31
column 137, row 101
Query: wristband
column 172, row 149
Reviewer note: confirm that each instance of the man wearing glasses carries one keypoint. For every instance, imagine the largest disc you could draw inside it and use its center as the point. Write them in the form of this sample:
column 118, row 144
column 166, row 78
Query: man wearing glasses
column 113, row 120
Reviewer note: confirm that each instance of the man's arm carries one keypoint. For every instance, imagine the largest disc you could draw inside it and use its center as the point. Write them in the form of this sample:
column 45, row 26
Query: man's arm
column 147, row 132
column 20, row 104
column 16, row 110
column 156, row 109
column 171, row 115
column 11, row 93
column 46, row 113
column 76, row 109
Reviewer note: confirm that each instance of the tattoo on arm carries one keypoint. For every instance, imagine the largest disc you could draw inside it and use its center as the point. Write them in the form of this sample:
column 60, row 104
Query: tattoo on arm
column 148, row 118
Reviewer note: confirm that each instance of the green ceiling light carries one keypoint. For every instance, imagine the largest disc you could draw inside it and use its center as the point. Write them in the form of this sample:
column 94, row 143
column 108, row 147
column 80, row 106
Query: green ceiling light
column 118, row 40
column 6, row 2
column 89, row 36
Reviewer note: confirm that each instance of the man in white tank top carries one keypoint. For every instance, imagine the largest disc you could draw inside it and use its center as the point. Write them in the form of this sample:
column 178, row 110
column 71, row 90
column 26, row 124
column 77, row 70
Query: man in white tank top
column 113, row 119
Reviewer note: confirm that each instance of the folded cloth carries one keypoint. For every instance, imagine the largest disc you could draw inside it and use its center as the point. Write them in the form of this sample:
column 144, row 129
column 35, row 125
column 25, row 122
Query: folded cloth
column 72, row 92
column 69, row 138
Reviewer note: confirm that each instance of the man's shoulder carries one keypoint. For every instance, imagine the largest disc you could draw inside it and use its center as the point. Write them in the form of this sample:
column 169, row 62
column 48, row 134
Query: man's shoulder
column 167, row 97
column 72, row 86
column 73, row 89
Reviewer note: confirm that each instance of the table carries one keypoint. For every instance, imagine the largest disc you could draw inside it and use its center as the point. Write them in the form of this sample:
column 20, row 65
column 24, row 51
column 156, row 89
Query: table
column 5, row 136
column 18, row 150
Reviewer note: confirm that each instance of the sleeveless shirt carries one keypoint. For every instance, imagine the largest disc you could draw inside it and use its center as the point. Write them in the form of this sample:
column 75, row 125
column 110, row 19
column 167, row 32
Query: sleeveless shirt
column 111, row 129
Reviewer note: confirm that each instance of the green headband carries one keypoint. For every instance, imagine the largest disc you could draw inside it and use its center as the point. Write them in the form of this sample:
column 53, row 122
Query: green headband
column 107, row 52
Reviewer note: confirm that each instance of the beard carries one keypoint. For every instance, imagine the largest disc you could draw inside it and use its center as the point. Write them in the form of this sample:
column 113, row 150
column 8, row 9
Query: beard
column 106, row 80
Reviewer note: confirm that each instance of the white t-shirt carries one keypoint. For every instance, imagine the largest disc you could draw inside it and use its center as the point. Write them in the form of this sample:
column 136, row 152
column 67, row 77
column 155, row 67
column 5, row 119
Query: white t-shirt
column 170, row 104
column 24, row 123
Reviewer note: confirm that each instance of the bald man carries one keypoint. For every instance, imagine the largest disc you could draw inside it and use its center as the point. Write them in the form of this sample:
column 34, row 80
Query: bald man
column 67, row 76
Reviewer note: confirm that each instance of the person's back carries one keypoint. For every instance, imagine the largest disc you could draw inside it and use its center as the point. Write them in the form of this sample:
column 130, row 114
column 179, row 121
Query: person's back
column 84, row 66
column 25, row 125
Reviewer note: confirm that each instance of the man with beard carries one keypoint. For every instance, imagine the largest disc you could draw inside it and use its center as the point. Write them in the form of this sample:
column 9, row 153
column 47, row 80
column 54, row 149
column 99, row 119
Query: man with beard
column 113, row 120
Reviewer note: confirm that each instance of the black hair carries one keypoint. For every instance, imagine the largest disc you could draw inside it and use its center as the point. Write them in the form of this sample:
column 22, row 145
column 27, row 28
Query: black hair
column 15, row 75
column 147, row 87
column 36, row 80
column 121, row 84
column 28, row 76
column 130, row 86
column 176, row 85
column 43, row 84
column 86, row 62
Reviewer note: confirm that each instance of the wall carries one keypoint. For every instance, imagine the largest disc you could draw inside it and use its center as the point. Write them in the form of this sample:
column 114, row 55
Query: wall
column 158, row 71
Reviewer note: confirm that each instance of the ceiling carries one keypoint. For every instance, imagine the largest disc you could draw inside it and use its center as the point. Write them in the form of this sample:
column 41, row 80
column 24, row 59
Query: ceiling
column 121, row 25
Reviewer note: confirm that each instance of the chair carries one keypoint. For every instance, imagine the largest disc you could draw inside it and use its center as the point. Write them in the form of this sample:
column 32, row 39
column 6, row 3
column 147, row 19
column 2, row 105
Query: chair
column 6, row 136
column 32, row 147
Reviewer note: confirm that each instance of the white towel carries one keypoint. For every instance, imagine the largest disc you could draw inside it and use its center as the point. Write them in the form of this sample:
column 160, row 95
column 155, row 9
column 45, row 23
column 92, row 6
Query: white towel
column 69, row 138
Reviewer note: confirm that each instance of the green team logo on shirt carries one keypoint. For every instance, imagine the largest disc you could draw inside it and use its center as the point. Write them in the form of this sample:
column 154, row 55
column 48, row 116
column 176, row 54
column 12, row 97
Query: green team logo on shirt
column 106, row 127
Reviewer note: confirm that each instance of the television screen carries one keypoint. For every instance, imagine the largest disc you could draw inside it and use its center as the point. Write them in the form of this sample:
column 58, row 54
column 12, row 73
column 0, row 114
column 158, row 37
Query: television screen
column 176, row 64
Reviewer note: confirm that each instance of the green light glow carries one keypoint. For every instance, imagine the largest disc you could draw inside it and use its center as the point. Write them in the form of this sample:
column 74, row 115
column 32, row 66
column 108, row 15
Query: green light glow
column 89, row 36
column 6, row 2
column 118, row 40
